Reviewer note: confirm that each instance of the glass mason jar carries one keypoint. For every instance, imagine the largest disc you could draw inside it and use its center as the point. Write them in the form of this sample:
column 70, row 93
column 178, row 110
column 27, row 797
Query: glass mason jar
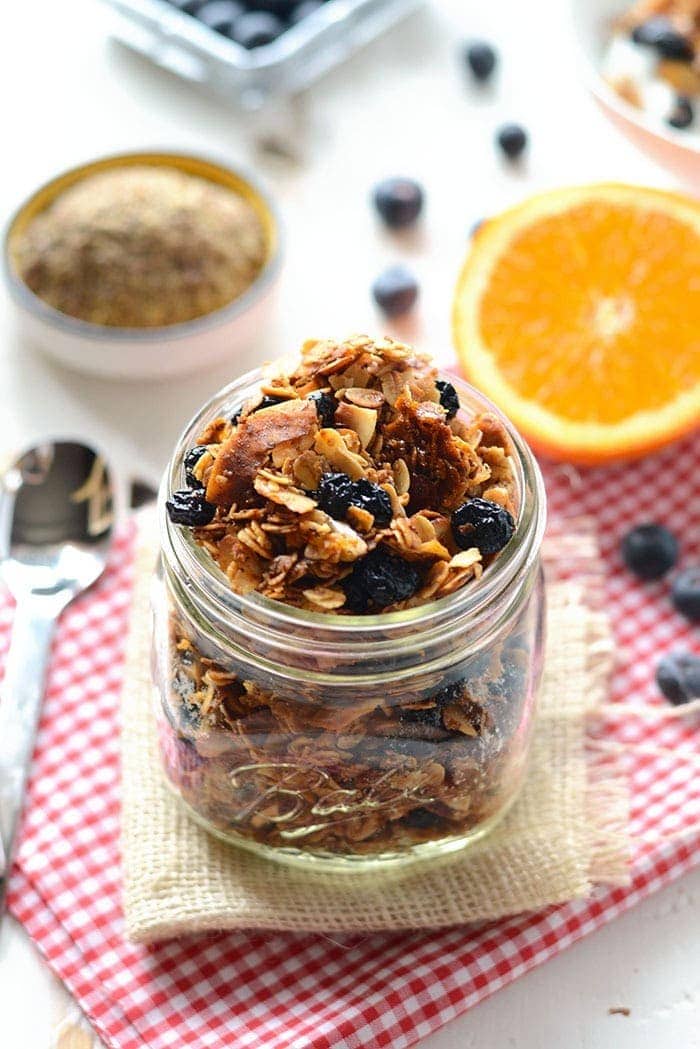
column 300, row 735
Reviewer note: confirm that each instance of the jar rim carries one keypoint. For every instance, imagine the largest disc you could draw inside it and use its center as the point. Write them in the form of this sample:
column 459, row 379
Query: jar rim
column 468, row 603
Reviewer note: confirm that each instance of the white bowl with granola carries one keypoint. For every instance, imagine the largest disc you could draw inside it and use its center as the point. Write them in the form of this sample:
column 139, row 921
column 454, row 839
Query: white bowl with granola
column 643, row 64
column 348, row 614
column 142, row 265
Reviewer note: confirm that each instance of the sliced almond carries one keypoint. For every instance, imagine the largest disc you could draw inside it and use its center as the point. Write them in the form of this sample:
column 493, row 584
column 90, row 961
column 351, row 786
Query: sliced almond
column 364, row 398
column 466, row 558
column 362, row 420
column 330, row 444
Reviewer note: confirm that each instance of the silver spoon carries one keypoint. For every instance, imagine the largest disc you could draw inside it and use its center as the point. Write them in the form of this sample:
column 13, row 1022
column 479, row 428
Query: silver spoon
column 56, row 517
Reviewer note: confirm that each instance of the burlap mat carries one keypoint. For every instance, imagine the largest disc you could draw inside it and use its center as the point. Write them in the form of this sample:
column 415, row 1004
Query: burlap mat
column 566, row 832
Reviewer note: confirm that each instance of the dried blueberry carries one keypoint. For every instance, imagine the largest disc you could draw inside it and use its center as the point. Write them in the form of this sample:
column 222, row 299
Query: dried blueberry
column 189, row 508
column 685, row 592
column 395, row 291
column 191, row 459
column 399, row 201
column 268, row 402
column 482, row 524
column 678, row 677
column 326, row 405
column 481, row 59
column 370, row 497
column 334, row 494
column 682, row 115
column 667, row 41
column 378, row 580
column 448, row 398
column 422, row 819
column 256, row 29
column 649, row 550
column 236, row 417
column 512, row 140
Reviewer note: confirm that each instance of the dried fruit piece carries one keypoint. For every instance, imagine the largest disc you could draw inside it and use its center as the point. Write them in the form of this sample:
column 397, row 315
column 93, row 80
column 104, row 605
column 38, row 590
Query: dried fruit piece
column 482, row 524
column 186, row 507
column 334, row 494
column 448, row 398
column 325, row 406
column 378, row 580
column 191, row 459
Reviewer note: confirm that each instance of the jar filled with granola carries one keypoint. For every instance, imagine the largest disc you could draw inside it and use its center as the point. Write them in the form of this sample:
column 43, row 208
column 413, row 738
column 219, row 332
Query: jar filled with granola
column 348, row 611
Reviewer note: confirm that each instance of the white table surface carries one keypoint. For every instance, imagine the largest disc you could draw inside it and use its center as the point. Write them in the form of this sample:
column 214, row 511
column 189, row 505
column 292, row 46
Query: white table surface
column 403, row 107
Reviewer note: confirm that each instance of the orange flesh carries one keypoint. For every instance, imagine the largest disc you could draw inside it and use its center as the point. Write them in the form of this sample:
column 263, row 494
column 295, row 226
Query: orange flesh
column 595, row 313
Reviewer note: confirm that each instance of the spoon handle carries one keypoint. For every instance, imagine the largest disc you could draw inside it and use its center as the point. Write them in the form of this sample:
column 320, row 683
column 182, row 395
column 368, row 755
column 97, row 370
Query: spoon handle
column 21, row 695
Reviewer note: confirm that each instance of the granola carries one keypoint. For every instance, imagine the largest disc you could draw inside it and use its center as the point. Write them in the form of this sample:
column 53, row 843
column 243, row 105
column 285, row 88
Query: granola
column 352, row 483
column 346, row 468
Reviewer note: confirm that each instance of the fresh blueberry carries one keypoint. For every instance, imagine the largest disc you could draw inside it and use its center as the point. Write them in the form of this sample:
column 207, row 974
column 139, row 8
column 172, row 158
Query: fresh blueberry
column 189, row 7
column 190, row 508
column 395, row 291
column 369, row 496
column 448, row 398
column 685, row 592
column 326, row 405
column 191, row 459
column 481, row 59
column 512, row 140
column 378, row 580
column 219, row 15
column 303, row 10
column 399, row 201
column 483, row 524
column 682, row 115
column 334, row 494
column 256, row 29
column 649, row 550
column 667, row 41
column 678, row 677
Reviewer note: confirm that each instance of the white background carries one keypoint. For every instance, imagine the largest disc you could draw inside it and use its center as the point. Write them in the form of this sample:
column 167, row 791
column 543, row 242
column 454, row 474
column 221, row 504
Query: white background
column 402, row 107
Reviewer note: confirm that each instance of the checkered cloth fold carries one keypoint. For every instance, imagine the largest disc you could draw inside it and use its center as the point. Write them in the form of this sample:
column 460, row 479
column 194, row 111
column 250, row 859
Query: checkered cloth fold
column 295, row 990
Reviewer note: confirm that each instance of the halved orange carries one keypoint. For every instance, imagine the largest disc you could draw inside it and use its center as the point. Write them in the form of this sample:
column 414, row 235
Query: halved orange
column 578, row 313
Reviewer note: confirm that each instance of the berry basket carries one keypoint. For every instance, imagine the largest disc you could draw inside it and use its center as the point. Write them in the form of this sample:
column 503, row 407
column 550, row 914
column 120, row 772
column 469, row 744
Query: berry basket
column 167, row 33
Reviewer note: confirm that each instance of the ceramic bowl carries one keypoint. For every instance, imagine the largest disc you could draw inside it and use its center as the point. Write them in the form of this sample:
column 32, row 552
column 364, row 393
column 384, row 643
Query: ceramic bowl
column 678, row 150
column 142, row 353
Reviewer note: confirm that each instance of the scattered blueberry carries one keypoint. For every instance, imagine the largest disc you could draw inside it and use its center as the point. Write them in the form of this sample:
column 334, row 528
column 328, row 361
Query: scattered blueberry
column 682, row 115
column 326, row 405
column 395, row 291
column 378, row 580
column 303, row 10
column 334, row 494
column 483, row 524
column 685, row 592
column 256, row 29
column 190, row 508
column 481, row 59
column 191, row 460
column 422, row 819
column 512, row 140
column 369, row 496
column 219, row 15
column 448, row 398
column 649, row 550
column 667, row 41
column 678, row 677
column 399, row 201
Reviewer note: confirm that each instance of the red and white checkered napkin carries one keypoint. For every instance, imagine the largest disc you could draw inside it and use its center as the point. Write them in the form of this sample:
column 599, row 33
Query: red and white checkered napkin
column 297, row 990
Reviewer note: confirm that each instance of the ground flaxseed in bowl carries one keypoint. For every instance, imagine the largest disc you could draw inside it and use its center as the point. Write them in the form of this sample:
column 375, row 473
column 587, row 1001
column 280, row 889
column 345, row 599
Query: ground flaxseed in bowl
column 141, row 247
column 348, row 615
